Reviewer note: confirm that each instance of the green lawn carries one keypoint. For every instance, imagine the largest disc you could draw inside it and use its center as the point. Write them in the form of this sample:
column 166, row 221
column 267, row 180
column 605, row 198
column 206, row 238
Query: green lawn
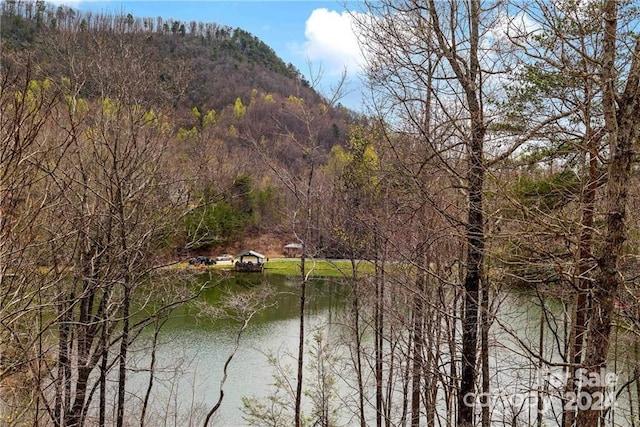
column 317, row 268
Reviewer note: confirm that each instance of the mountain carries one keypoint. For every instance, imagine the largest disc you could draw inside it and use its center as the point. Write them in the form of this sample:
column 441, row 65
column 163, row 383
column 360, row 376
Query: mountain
column 235, row 119
column 205, row 65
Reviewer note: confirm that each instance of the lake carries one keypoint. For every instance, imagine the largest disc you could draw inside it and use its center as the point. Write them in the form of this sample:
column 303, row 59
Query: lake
column 193, row 349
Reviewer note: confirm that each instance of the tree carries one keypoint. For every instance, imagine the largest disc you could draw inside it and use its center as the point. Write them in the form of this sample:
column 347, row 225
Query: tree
column 582, row 58
column 557, row 75
column 622, row 128
column 241, row 308
column 94, row 208
column 28, row 106
column 402, row 40
column 94, row 178
column 112, row 194
column 354, row 215
column 304, row 193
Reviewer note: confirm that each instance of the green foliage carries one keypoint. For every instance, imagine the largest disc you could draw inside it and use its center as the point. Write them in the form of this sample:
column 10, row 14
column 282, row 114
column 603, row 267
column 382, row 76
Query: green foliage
column 547, row 193
column 239, row 110
column 356, row 171
column 37, row 91
column 358, row 165
column 187, row 134
column 242, row 194
column 277, row 408
column 213, row 224
column 257, row 52
column 323, row 391
column 535, row 86
column 266, row 207
column 222, row 218
column 336, row 130
column 554, row 151
column 360, row 173
column 207, row 49
column 109, row 107
column 295, row 100
column 201, row 113
column 16, row 31
column 209, row 119
column 540, row 81
column 150, row 117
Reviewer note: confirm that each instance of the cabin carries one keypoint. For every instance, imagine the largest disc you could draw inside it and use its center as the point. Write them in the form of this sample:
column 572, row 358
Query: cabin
column 246, row 263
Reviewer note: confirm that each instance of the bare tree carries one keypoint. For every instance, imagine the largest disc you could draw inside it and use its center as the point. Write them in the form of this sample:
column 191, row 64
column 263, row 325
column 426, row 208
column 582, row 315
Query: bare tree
column 622, row 128
column 242, row 308
column 96, row 237
column 400, row 40
column 587, row 49
column 28, row 107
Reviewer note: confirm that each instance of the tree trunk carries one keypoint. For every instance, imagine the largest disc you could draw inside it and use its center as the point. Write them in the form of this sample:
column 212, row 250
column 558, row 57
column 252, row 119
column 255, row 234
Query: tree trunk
column 63, row 380
column 583, row 282
column 303, row 290
column 358, row 342
column 475, row 253
column 622, row 128
column 418, row 342
column 152, row 373
column 378, row 325
column 468, row 75
column 122, row 356
column 484, row 353
column 103, row 377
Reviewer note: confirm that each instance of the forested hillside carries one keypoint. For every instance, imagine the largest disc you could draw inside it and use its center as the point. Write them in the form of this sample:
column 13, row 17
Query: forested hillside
column 486, row 213
column 218, row 63
column 220, row 91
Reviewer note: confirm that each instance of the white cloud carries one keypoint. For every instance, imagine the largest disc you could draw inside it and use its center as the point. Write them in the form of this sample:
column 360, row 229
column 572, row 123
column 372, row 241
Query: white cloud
column 331, row 42
column 518, row 25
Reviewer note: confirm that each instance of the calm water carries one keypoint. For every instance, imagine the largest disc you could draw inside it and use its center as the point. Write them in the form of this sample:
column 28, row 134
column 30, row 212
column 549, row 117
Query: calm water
column 193, row 350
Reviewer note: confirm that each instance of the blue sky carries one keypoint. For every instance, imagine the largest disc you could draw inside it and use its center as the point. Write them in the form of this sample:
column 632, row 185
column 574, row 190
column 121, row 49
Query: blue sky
column 312, row 35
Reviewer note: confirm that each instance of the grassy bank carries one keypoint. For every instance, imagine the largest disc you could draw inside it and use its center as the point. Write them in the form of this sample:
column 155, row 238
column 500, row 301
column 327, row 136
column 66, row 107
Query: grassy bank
column 291, row 267
column 317, row 268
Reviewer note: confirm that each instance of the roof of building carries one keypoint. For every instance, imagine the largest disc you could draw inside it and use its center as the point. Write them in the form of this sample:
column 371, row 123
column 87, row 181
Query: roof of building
column 250, row 253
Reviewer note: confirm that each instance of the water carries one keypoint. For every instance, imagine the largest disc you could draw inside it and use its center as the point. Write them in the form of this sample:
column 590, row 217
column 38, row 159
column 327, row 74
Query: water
column 193, row 350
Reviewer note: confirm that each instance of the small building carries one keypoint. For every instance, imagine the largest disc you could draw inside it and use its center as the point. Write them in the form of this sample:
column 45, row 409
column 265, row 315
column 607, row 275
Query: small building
column 246, row 262
column 293, row 250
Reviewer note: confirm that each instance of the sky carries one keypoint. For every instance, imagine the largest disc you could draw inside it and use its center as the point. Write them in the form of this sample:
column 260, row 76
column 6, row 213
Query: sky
column 315, row 36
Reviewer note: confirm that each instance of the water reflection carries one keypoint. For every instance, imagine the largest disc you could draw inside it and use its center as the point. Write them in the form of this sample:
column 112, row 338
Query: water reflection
column 193, row 350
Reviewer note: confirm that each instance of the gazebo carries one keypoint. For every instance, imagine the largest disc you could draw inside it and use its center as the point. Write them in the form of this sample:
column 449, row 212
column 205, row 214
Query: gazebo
column 292, row 250
column 250, row 266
